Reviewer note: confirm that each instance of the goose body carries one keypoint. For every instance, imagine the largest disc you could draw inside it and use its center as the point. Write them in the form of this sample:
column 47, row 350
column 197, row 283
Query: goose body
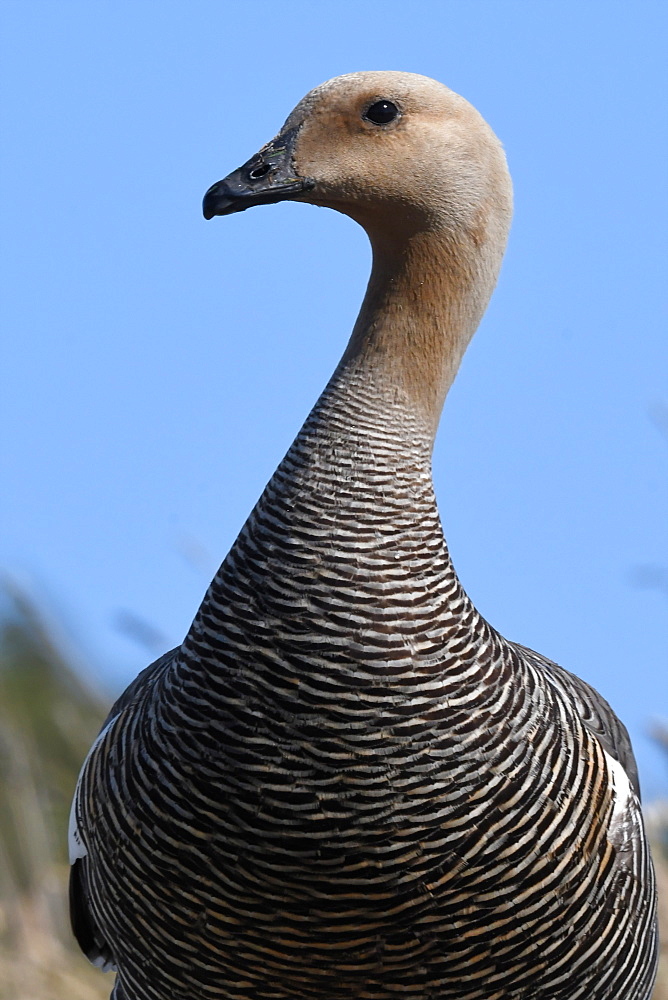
column 345, row 783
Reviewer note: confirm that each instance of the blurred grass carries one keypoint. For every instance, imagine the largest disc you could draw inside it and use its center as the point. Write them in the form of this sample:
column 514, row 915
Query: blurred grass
column 48, row 719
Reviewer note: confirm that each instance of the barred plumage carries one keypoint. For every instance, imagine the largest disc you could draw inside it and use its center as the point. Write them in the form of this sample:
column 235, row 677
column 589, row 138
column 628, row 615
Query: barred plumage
column 345, row 782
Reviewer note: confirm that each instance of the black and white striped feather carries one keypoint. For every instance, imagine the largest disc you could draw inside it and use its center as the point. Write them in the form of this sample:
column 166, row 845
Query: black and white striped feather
column 345, row 783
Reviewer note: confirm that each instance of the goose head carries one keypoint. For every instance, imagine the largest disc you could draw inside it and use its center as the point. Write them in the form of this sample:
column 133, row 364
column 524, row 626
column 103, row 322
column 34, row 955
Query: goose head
column 419, row 168
column 397, row 152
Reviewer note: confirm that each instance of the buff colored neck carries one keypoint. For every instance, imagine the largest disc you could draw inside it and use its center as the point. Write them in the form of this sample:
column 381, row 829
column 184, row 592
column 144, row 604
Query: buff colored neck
column 425, row 298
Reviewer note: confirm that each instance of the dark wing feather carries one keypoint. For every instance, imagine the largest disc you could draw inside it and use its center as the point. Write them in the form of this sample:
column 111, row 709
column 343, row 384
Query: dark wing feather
column 593, row 709
column 94, row 947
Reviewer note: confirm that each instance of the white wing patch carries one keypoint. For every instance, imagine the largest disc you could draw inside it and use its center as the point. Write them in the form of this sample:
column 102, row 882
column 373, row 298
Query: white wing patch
column 622, row 795
column 77, row 848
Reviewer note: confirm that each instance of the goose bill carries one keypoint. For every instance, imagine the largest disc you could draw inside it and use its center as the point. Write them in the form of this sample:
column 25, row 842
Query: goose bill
column 268, row 177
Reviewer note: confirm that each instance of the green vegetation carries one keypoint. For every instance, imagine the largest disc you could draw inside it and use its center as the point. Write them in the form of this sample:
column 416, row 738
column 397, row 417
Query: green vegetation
column 48, row 718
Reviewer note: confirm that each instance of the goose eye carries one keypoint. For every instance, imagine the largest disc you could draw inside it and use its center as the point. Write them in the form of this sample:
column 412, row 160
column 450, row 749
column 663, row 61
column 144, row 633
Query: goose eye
column 381, row 113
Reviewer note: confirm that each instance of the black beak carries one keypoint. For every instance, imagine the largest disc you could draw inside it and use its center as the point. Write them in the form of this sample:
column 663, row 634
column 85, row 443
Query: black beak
column 267, row 177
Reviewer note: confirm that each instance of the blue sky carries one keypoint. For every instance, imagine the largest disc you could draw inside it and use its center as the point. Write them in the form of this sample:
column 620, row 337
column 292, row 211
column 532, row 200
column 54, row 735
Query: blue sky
column 156, row 367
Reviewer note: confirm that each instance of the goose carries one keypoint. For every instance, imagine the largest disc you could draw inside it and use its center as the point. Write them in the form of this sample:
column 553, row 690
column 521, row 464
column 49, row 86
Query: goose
column 345, row 783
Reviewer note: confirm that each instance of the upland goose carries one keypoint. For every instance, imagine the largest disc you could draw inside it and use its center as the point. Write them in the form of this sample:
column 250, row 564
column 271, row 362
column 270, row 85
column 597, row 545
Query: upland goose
column 345, row 783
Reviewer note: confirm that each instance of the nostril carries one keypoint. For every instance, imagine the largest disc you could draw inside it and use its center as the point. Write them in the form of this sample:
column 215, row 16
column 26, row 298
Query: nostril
column 256, row 172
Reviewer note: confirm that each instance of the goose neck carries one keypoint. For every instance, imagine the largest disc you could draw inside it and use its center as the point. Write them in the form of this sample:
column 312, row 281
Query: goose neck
column 424, row 300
